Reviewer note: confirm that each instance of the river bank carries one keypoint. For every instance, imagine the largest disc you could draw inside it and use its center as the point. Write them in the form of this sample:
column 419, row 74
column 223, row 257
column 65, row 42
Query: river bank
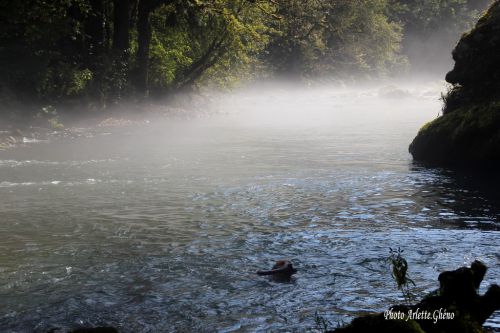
column 70, row 122
column 49, row 125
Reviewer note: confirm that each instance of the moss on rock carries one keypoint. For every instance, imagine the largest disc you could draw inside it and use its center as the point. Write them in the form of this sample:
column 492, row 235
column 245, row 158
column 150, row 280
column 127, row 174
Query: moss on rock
column 469, row 135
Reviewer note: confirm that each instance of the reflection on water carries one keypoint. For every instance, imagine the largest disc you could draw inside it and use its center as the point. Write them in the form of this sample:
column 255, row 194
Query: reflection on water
column 161, row 227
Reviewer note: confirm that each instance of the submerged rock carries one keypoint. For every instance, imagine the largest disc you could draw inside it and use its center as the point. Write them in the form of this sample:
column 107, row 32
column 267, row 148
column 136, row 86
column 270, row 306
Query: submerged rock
column 468, row 132
column 393, row 92
column 456, row 307
column 96, row 330
column 104, row 329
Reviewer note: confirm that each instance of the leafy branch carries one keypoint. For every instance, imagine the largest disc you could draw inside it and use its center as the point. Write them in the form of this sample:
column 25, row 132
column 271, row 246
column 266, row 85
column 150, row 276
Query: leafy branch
column 400, row 273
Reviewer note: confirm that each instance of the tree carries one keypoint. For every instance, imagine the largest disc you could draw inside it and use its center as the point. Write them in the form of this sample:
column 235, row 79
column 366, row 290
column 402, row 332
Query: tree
column 340, row 38
column 207, row 41
column 98, row 51
column 121, row 26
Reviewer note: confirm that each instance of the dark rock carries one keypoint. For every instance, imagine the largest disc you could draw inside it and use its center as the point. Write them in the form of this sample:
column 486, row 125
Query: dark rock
column 477, row 54
column 458, row 295
column 468, row 132
column 469, row 136
column 461, row 285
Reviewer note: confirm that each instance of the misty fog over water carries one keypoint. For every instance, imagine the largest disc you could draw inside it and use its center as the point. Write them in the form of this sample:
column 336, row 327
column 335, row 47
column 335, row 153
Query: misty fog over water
column 161, row 226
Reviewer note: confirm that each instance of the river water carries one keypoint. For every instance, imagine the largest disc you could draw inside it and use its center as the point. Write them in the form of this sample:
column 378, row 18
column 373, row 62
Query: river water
column 160, row 227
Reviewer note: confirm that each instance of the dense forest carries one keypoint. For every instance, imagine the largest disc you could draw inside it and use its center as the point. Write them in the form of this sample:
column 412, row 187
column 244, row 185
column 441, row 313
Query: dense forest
column 97, row 53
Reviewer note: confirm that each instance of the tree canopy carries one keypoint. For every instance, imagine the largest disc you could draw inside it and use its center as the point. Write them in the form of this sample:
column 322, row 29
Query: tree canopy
column 102, row 51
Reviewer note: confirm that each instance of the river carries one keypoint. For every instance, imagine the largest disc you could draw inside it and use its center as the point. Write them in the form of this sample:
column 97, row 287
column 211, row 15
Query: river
column 160, row 227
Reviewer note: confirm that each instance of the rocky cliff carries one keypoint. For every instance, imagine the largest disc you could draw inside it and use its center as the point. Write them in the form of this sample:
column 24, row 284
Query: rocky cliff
column 468, row 132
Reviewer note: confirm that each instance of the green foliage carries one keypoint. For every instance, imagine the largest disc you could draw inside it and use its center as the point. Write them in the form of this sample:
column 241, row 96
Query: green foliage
column 373, row 41
column 246, row 34
column 34, row 36
column 170, row 47
column 425, row 17
column 49, row 113
column 62, row 81
column 400, row 273
column 54, row 123
column 336, row 37
column 322, row 323
column 206, row 42
column 71, row 50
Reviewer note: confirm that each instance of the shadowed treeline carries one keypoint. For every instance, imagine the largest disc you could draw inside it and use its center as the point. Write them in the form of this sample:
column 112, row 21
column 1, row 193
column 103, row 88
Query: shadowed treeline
column 95, row 53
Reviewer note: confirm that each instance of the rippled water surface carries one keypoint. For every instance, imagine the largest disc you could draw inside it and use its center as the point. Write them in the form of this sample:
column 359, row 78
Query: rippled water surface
column 160, row 227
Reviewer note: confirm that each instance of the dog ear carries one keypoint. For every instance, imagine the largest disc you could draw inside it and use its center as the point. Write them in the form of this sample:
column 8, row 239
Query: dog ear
column 478, row 271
